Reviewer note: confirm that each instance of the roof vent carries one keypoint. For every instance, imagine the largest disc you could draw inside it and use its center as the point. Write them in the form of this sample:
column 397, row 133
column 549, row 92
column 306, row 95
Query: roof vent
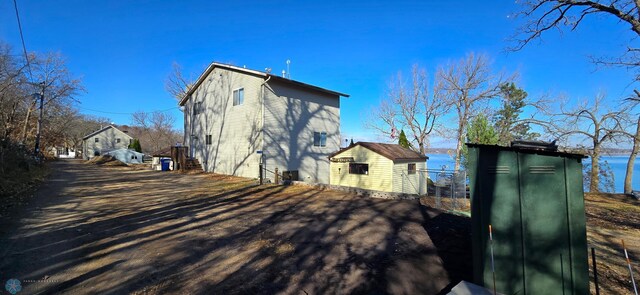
column 535, row 145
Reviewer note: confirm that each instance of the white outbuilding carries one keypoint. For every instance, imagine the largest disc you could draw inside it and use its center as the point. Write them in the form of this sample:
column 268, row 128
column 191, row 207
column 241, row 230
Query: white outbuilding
column 126, row 156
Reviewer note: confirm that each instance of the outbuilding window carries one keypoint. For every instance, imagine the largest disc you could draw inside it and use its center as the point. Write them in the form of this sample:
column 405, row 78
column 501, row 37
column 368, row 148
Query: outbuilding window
column 320, row 139
column 358, row 168
column 412, row 168
column 208, row 139
column 238, row 96
column 97, row 139
column 117, row 140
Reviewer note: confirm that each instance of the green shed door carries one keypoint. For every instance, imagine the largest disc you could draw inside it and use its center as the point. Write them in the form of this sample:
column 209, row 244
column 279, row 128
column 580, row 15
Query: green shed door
column 496, row 202
column 545, row 225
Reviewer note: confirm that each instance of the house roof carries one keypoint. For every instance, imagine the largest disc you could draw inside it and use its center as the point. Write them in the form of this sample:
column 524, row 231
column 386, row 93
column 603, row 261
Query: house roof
column 103, row 129
column 393, row 152
column 264, row 75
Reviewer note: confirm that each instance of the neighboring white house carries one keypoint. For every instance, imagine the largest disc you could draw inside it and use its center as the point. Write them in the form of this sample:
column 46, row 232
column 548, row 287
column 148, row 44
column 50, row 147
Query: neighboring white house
column 101, row 141
column 235, row 117
column 125, row 155
column 380, row 166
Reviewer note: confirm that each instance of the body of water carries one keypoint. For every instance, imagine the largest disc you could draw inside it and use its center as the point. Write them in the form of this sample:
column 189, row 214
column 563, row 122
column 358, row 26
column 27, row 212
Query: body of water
column 618, row 165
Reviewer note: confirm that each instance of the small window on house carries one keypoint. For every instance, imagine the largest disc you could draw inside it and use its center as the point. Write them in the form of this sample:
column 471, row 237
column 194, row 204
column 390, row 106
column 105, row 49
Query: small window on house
column 197, row 108
column 117, row 140
column 97, row 139
column 238, row 96
column 358, row 168
column 412, row 168
column 320, row 139
column 208, row 139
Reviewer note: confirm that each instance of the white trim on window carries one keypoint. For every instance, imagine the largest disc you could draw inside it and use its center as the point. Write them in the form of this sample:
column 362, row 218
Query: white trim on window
column 238, row 96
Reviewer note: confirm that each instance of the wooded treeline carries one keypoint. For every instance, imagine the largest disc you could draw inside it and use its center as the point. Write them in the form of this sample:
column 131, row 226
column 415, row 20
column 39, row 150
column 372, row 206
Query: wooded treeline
column 22, row 81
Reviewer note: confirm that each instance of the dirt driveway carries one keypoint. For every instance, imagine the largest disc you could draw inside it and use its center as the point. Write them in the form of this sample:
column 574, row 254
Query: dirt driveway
column 113, row 230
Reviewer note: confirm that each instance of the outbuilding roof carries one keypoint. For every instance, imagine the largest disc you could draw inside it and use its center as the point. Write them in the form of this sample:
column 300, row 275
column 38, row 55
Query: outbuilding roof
column 264, row 75
column 393, row 152
column 165, row 152
column 531, row 150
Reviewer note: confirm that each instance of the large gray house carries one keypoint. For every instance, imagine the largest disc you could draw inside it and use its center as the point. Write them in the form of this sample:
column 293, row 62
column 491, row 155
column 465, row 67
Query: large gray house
column 234, row 118
column 105, row 139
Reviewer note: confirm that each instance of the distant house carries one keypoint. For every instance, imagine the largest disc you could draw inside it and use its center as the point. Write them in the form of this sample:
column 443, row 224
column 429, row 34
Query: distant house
column 234, row 118
column 381, row 167
column 126, row 156
column 104, row 140
column 63, row 152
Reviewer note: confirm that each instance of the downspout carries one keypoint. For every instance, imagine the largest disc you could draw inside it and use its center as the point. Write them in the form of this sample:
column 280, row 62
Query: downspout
column 262, row 125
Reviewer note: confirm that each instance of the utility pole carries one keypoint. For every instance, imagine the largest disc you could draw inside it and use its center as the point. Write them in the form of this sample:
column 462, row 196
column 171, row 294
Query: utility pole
column 40, row 95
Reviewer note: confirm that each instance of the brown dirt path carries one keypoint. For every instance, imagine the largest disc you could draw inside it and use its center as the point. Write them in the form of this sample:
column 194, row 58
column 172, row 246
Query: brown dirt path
column 113, row 230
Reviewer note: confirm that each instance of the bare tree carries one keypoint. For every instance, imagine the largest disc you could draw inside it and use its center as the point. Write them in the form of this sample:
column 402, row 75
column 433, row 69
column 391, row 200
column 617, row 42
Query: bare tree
column 635, row 139
column 54, row 81
column 154, row 130
column 414, row 107
column 176, row 83
column 467, row 84
column 544, row 15
column 12, row 91
column 589, row 123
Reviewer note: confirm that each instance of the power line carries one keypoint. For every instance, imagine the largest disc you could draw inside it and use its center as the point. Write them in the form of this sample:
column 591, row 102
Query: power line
column 117, row 113
column 24, row 47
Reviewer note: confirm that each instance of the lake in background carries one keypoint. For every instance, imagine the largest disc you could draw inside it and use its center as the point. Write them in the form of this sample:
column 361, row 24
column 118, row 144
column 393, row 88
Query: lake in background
column 618, row 165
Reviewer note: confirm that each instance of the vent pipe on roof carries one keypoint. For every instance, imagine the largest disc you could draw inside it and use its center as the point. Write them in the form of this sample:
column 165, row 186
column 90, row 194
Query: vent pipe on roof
column 284, row 74
column 288, row 70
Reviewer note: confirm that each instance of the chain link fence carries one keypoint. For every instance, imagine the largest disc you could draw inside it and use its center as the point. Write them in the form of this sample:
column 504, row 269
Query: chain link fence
column 446, row 189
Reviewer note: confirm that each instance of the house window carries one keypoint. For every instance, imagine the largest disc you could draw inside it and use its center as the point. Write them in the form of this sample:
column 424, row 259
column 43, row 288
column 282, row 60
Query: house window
column 238, row 96
column 197, row 108
column 320, row 139
column 117, row 140
column 412, row 168
column 208, row 139
column 97, row 139
column 357, row 168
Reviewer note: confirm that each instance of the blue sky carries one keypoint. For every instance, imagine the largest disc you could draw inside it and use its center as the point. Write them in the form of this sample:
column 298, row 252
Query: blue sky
column 123, row 50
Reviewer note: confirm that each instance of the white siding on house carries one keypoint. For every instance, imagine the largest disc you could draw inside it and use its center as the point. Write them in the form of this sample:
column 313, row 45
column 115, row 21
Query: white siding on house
column 234, row 130
column 276, row 117
column 107, row 141
column 291, row 116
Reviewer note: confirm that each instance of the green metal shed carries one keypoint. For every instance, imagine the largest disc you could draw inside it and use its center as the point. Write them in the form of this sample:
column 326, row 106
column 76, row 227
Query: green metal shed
column 532, row 196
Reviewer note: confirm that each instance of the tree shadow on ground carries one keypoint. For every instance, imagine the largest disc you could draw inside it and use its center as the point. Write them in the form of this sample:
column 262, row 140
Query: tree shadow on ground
column 152, row 233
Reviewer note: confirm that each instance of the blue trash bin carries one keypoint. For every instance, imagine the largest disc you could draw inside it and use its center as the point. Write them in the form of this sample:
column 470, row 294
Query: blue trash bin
column 164, row 163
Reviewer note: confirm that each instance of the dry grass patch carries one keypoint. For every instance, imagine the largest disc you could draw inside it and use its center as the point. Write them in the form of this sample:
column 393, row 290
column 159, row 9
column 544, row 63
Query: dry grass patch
column 611, row 218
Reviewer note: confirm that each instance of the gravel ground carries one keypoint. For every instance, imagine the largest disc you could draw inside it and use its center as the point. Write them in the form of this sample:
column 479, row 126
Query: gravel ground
column 114, row 230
